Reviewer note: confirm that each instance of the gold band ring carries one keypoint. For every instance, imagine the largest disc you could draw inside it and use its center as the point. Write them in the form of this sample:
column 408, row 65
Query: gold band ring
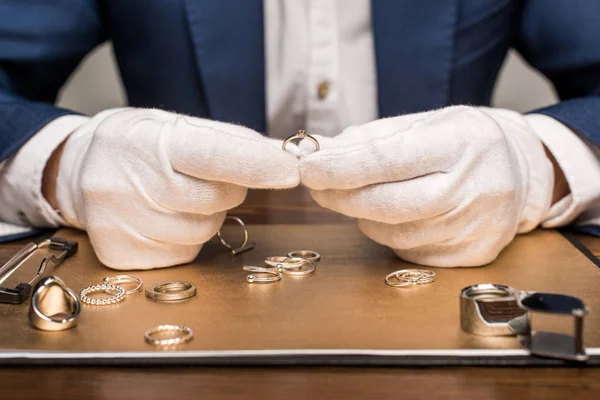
column 171, row 291
column 185, row 332
column 301, row 271
column 306, row 254
column 120, row 280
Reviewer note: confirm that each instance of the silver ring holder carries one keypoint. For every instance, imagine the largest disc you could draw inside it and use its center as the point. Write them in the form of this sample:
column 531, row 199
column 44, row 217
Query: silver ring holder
column 497, row 310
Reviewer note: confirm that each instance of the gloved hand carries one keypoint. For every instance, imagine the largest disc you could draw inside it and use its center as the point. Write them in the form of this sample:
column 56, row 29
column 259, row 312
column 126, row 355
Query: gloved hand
column 150, row 186
column 450, row 187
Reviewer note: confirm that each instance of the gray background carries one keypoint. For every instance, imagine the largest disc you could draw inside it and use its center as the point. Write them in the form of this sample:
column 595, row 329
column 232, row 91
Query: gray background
column 96, row 85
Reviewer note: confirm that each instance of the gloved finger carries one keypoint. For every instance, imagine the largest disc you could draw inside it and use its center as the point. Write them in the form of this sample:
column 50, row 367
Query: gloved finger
column 406, row 235
column 392, row 203
column 380, row 127
column 362, row 133
column 123, row 248
column 451, row 254
column 430, row 145
column 180, row 192
column 179, row 228
column 252, row 161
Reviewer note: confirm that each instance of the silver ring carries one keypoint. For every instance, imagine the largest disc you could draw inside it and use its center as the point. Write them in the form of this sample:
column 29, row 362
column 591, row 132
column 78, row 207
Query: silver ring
column 244, row 246
column 275, row 275
column 306, row 254
column 119, row 280
column 170, row 291
column 301, row 135
column 410, row 277
column 415, row 276
column 117, row 294
column 301, row 272
column 186, row 334
column 284, row 262
column 54, row 307
column 486, row 309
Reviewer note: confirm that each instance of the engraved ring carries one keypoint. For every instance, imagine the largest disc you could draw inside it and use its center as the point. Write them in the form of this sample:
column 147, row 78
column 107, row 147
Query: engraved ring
column 306, row 254
column 170, row 291
column 284, row 262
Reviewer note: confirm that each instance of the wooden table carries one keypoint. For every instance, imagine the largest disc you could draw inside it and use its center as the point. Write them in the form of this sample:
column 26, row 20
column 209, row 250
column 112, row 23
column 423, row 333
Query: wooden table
column 295, row 206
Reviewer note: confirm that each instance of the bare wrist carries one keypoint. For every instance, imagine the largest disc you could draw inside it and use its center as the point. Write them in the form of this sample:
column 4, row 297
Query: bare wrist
column 561, row 185
column 50, row 175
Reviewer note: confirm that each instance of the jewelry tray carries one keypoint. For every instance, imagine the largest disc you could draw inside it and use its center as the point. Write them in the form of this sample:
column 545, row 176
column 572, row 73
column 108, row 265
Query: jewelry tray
column 343, row 314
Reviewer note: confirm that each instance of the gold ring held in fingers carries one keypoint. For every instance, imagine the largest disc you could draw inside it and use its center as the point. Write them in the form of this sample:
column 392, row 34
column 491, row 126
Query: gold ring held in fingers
column 120, row 280
column 306, row 254
column 170, row 291
column 301, row 135
column 185, row 334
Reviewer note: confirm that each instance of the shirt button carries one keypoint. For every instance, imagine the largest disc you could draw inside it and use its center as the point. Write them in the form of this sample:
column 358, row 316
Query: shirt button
column 323, row 90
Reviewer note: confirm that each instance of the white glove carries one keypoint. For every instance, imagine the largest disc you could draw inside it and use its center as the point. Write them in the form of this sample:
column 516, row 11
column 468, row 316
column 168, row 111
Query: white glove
column 445, row 188
column 150, row 186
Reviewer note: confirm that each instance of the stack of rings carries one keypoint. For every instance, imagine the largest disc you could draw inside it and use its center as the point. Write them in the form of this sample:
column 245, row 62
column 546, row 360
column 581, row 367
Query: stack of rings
column 116, row 293
column 185, row 335
column 410, row 277
column 293, row 266
column 120, row 280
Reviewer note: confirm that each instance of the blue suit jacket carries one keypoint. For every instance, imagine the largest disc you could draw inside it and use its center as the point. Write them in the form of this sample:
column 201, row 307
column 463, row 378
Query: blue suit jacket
column 206, row 57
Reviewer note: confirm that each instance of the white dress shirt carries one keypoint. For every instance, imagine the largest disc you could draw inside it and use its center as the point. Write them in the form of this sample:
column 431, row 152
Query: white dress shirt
column 320, row 76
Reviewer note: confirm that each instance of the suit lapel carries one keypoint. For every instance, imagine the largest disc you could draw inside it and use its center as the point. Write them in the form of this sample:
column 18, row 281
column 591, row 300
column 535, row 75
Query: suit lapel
column 228, row 41
column 413, row 52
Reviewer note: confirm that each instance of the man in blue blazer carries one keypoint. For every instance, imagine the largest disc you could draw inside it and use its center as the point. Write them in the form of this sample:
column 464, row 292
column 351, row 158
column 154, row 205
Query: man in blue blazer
column 394, row 91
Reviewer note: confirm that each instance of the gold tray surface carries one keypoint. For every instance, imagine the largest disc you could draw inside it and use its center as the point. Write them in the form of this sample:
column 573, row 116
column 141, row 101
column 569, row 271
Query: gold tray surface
column 344, row 305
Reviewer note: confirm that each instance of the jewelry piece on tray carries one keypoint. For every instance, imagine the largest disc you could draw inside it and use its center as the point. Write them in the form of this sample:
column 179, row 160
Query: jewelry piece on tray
column 410, row 277
column 170, row 291
column 120, row 280
column 284, row 262
column 117, row 294
column 307, row 254
column 299, row 271
column 245, row 246
column 301, row 135
column 274, row 274
column 54, row 307
column 185, row 334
